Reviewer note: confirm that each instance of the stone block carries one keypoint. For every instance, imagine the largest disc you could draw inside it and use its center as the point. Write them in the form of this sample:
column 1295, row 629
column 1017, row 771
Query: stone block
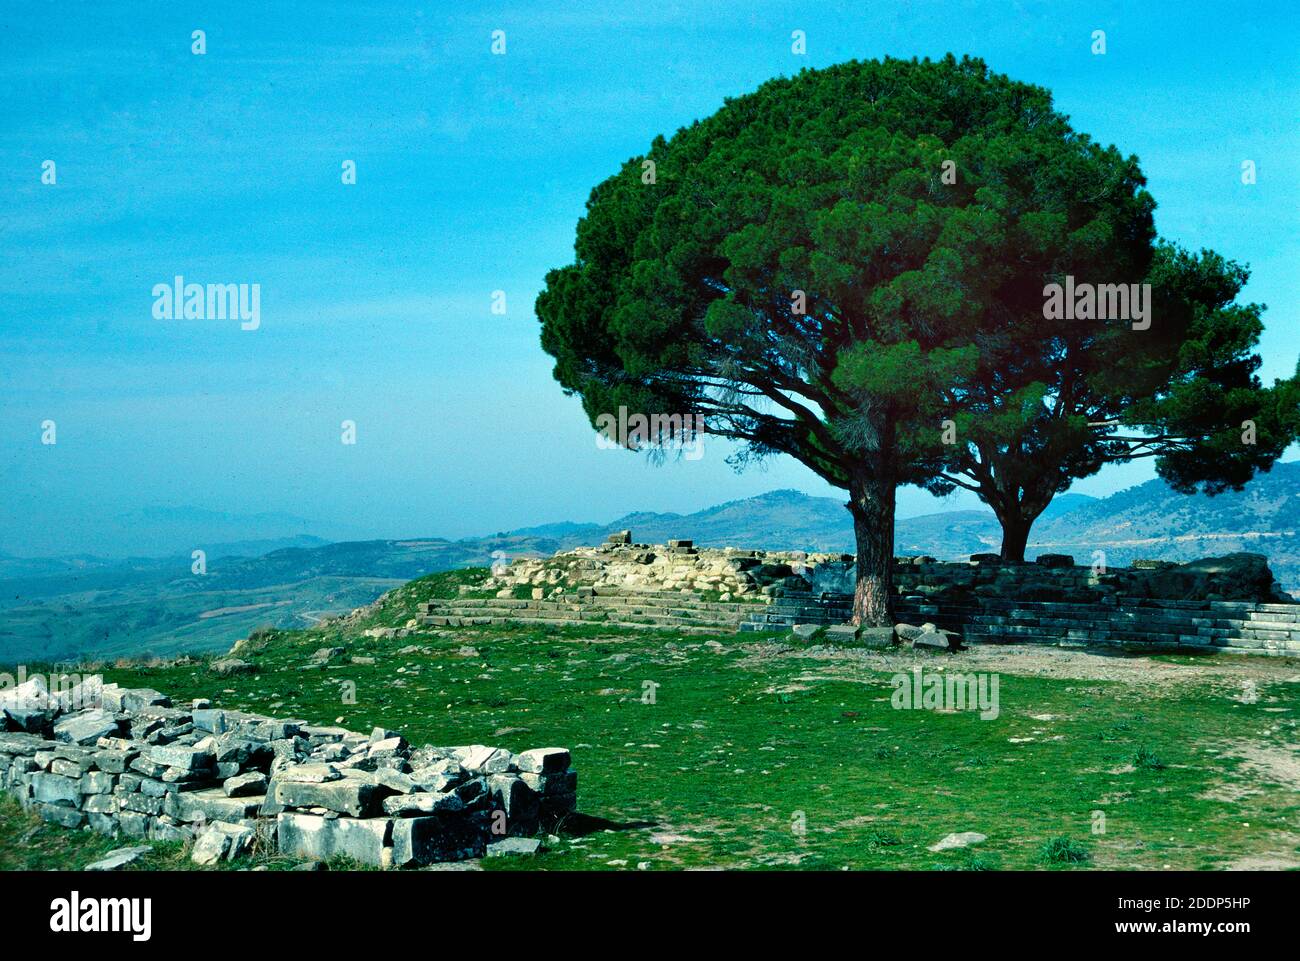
column 180, row 758
column 346, row 796
column 114, row 762
column 222, row 841
column 98, row 782
column 55, row 789
column 543, row 760
column 243, row 785
column 85, row 727
column 101, row 804
column 59, row 814
column 410, row 805
column 210, row 804
column 432, row 840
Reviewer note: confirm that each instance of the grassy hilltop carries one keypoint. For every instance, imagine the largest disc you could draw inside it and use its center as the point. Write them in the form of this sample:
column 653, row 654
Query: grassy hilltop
column 758, row 753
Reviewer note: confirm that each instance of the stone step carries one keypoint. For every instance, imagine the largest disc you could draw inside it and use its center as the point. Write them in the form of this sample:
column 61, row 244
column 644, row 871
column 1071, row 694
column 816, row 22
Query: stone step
column 546, row 610
column 554, row 617
column 672, row 603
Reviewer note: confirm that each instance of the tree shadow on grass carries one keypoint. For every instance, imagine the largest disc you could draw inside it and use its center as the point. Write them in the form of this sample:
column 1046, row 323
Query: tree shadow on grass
column 580, row 825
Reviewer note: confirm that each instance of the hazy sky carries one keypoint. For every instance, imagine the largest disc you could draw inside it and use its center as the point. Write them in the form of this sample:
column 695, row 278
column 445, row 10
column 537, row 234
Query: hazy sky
column 472, row 170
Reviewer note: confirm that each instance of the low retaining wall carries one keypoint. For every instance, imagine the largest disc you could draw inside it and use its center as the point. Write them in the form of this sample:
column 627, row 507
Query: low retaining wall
column 125, row 761
column 1243, row 627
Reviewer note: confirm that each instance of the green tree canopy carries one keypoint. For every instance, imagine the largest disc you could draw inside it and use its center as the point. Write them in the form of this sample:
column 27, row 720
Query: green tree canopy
column 833, row 265
column 1067, row 395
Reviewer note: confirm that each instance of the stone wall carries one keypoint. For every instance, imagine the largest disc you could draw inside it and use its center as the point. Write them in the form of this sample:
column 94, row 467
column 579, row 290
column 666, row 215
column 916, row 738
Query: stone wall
column 675, row 566
column 731, row 573
column 1055, row 577
column 1226, row 603
column 127, row 762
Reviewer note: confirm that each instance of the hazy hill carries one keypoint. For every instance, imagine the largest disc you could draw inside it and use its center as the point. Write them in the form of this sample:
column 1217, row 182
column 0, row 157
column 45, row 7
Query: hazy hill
column 59, row 607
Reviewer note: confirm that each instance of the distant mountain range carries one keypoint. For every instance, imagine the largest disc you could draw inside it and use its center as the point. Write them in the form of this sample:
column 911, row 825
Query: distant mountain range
column 60, row 607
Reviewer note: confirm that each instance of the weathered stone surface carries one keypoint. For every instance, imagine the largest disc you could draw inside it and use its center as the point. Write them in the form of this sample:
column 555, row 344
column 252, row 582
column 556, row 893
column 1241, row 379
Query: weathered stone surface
column 210, row 804
column 221, row 841
column 931, row 640
column 101, row 804
column 30, row 719
column 208, row 719
column 142, row 804
column 346, row 796
column 388, row 748
column 434, row 839
column 55, row 789
column 163, row 830
column 876, row 637
column 243, row 785
column 122, row 857
column 136, row 700
column 565, row 782
column 149, row 773
column 410, row 805
column 1054, row 560
column 114, row 762
column 543, row 760
column 393, row 780
column 509, row 846
column 102, row 823
column 98, row 782
column 521, row 804
column 961, row 840
column 73, row 769
column 147, row 768
column 362, row 839
column 313, row 836
column 183, row 759
column 309, row 773
column 479, row 759
column 86, row 727
column 133, row 824
column 59, row 814
column 19, row 743
column 1242, row 576
column 231, row 665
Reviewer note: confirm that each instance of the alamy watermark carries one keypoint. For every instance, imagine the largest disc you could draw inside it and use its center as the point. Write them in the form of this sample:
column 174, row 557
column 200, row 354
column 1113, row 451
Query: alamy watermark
column 1073, row 301
column 923, row 690
column 181, row 301
column 39, row 692
column 659, row 432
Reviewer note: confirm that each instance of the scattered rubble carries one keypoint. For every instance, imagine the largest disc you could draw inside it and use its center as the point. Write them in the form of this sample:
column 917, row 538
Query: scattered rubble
column 126, row 762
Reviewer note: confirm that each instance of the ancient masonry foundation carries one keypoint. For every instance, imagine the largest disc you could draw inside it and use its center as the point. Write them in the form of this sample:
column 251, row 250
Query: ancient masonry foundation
column 1218, row 604
column 126, row 762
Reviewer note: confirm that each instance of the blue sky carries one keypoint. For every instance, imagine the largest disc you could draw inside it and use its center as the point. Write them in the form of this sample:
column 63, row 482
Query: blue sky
column 472, row 170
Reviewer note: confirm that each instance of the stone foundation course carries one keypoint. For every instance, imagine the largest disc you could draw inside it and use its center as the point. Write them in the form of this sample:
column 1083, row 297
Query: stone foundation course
column 1230, row 603
column 126, row 762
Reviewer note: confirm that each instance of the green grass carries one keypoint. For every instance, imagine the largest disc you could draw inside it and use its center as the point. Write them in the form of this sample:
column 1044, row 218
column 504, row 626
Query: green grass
column 756, row 755
column 1064, row 850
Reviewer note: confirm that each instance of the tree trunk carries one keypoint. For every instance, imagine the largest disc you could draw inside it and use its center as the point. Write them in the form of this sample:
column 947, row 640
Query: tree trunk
column 1015, row 535
column 871, row 502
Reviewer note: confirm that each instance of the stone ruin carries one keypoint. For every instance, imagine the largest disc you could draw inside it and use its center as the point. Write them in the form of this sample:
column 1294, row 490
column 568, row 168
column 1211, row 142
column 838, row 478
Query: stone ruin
column 1229, row 603
column 680, row 566
column 126, row 762
column 676, row 566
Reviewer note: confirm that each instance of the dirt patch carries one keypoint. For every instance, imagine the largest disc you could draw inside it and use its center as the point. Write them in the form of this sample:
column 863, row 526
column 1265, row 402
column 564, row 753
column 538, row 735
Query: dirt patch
column 1035, row 660
column 1278, row 765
